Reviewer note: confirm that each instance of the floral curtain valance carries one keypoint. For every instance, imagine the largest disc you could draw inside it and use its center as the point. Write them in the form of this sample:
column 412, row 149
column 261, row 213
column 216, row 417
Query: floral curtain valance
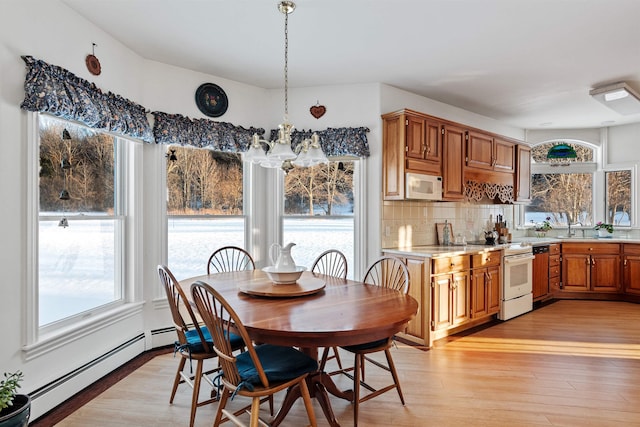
column 202, row 133
column 52, row 89
column 335, row 141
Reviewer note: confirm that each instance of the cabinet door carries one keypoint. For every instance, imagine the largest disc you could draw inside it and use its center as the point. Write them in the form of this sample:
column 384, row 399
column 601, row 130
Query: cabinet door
column 416, row 327
column 433, row 142
column 453, row 162
column 416, row 146
column 631, row 267
column 480, row 153
column 494, row 274
column 440, row 302
column 460, row 303
column 479, row 293
column 605, row 273
column 576, row 269
column 504, row 156
column 540, row 276
column 393, row 146
column 523, row 174
column 423, row 146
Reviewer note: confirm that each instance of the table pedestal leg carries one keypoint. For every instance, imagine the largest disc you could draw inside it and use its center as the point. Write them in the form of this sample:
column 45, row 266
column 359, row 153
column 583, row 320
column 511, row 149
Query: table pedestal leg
column 319, row 383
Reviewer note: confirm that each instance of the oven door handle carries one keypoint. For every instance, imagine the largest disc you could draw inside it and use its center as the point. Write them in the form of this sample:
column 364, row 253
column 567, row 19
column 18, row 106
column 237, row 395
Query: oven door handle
column 517, row 258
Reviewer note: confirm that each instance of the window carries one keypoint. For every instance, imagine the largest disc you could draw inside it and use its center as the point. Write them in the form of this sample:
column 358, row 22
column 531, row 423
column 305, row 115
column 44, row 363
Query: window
column 319, row 205
column 618, row 189
column 566, row 191
column 561, row 190
column 204, row 206
column 80, row 247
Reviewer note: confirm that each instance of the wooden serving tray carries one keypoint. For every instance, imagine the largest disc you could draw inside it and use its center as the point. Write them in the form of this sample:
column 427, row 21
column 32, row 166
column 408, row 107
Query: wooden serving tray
column 304, row 286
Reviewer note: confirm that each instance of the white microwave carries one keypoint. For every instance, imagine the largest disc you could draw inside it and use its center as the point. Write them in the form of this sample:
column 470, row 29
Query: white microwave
column 423, row 187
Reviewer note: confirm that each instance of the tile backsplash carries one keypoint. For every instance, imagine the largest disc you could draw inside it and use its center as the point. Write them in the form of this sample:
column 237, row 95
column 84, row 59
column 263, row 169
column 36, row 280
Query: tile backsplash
column 407, row 223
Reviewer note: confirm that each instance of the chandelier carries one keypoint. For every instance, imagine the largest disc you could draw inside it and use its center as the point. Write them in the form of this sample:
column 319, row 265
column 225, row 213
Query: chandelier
column 280, row 154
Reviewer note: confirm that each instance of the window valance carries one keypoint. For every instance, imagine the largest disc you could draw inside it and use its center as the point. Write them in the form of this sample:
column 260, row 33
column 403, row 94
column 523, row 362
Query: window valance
column 202, row 133
column 334, row 141
column 52, row 89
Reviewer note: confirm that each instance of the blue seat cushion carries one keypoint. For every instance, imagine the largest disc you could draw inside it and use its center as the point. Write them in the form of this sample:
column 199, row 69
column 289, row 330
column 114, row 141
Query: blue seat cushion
column 195, row 345
column 279, row 364
column 365, row 346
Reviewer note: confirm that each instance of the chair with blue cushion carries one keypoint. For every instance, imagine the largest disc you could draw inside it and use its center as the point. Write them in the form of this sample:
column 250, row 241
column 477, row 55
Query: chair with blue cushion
column 388, row 272
column 230, row 258
column 257, row 373
column 194, row 342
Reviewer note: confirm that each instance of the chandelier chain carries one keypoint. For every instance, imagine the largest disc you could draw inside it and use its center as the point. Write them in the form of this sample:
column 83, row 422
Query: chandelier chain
column 286, row 64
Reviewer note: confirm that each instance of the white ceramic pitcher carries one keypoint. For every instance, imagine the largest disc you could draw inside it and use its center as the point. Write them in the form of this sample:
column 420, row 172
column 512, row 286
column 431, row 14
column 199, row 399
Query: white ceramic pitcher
column 281, row 257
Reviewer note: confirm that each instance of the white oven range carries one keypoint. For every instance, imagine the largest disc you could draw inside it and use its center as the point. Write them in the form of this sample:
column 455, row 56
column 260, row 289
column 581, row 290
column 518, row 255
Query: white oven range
column 517, row 281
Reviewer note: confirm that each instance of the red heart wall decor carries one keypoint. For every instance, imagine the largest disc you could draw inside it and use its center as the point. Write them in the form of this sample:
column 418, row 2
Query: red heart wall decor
column 318, row 111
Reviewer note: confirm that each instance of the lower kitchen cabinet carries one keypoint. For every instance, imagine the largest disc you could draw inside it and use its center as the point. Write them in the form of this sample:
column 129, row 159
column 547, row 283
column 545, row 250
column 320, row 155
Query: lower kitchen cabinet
column 450, row 291
column 631, row 268
column 418, row 329
column 588, row 267
column 485, row 284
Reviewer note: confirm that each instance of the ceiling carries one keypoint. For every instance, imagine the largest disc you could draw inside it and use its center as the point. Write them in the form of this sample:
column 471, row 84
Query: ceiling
column 527, row 63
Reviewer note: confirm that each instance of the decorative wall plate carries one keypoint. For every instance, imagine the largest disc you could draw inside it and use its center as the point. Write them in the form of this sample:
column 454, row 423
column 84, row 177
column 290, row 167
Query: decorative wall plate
column 93, row 65
column 211, row 100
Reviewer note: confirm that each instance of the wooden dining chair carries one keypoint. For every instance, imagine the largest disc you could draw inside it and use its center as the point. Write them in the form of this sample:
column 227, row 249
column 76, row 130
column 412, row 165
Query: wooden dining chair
column 230, row 258
column 389, row 272
column 194, row 342
column 333, row 263
column 260, row 371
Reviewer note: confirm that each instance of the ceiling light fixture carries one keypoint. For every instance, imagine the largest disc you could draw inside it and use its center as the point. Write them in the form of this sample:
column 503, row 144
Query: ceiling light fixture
column 280, row 154
column 619, row 97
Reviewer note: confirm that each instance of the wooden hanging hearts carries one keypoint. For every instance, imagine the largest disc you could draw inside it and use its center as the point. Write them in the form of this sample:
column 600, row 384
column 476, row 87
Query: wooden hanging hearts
column 318, row 110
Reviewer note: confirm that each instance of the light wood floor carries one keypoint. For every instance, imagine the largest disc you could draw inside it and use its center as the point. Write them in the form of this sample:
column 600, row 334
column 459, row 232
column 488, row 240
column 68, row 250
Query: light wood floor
column 571, row 363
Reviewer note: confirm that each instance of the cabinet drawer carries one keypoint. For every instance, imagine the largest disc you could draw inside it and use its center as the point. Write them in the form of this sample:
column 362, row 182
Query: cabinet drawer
column 631, row 249
column 554, row 249
column 591, row 248
column 554, row 260
column 554, row 271
column 486, row 259
column 554, row 282
column 450, row 264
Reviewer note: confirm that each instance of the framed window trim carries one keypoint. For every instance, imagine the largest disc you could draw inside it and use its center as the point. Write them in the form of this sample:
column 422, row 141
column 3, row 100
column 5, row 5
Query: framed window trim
column 633, row 169
column 41, row 340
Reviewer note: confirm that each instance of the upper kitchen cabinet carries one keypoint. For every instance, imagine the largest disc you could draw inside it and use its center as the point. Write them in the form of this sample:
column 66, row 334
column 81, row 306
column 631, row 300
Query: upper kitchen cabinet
column 453, row 138
column 411, row 143
column 489, row 152
column 523, row 174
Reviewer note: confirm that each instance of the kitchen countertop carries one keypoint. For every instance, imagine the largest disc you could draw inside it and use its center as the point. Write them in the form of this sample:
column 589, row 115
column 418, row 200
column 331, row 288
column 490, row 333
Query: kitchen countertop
column 435, row 251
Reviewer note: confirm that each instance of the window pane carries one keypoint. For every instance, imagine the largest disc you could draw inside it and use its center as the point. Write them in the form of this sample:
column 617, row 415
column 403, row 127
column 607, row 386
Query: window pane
column 618, row 209
column 79, row 161
column 561, row 196
column 204, row 205
column 191, row 240
column 77, row 253
column 583, row 153
column 76, row 268
column 319, row 211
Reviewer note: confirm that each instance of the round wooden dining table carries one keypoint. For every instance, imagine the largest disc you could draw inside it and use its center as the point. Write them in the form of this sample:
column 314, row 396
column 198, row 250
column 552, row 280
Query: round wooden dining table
column 328, row 312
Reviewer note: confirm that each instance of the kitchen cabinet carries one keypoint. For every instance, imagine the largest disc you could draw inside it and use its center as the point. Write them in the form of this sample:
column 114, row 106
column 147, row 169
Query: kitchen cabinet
column 485, row 284
column 488, row 152
column 450, row 282
column 589, row 267
column 554, row 267
column 453, row 142
column 411, row 142
column 522, row 179
column 631, row 268
column 540, row 272
column 423, row 145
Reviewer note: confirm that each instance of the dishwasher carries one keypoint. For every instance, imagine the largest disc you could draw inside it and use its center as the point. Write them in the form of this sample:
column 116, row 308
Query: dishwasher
column 540, row 272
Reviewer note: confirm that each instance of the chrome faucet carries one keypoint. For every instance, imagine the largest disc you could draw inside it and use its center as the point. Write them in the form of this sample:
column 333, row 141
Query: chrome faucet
column 569, row 232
